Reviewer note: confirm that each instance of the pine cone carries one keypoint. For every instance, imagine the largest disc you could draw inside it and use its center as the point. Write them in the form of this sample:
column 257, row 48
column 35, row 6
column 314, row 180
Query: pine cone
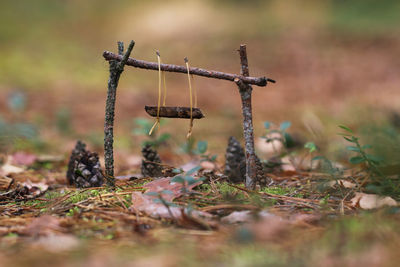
column 235, row 164
column 151, row 162
column 262, row 179
column 84, row 168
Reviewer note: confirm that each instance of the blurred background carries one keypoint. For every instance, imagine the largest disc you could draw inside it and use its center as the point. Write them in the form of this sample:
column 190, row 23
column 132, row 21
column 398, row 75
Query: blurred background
column 335, row 62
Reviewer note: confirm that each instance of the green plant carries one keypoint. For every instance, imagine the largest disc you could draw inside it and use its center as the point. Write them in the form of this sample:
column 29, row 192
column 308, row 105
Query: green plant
column 377, row 182
column 72, row 212
column 361, row 156
column 142, row 128
column 200, row 149
column 187, row 180
column 160, row 199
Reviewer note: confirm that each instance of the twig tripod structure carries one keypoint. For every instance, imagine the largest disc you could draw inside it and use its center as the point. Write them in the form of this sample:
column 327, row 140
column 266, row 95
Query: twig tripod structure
column 243, row 81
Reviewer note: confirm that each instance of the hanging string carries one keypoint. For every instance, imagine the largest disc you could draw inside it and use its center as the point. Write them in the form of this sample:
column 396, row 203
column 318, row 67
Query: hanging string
column 165, row 88
column 191, row 100
column 194, row 90
column 157, row 123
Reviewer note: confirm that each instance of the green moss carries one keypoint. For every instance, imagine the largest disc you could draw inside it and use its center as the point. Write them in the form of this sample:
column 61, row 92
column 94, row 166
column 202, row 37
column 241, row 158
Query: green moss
column 282, row 191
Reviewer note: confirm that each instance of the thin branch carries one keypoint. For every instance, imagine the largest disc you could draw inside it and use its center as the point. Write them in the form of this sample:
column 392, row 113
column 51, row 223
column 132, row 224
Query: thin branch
column 260, row 81
column 116, row 68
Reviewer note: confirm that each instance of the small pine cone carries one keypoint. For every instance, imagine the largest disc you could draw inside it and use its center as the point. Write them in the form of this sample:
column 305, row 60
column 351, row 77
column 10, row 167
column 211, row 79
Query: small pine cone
column 151, row 162
column 262, row 178
column 84, row 168
column 79, row 149
column 235, row 164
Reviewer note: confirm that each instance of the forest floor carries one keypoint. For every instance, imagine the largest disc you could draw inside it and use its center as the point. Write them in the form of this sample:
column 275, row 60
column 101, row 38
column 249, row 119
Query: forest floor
column 340, row 67
column 302, row 218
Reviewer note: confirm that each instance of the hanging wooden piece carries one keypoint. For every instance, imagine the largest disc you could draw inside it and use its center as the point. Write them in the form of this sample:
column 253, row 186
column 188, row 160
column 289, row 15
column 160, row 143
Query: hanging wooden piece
column 174, row 112
column 163, row 111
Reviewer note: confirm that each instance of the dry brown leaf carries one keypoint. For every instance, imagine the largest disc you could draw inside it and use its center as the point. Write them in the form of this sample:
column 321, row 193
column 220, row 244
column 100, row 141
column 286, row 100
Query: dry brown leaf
column 7, row 169
column 207, row 165
column 343, row 183
column 43, row 225
column 146, row 204
column 57, row 242
column 166, row 184
column 23, row 158
column 371, row 201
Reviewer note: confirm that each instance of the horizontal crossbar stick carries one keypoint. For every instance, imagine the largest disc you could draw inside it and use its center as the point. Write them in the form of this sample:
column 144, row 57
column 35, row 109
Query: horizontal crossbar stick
column 174, row 112
column 261, row 81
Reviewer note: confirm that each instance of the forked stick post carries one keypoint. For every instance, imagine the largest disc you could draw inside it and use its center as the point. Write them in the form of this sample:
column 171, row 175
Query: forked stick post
column 116, row 68
column 245, row 91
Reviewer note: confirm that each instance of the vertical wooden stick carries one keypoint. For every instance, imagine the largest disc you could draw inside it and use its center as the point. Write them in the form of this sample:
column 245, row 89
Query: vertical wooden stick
column 245, row 91
column 116, row 68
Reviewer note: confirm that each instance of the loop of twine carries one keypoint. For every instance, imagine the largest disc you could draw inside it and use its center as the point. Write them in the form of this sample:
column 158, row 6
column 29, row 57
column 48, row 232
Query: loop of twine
column 157, row 122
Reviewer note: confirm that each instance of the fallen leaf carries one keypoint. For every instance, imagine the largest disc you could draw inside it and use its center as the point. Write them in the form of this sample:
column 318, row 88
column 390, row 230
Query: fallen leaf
column 57, row 242
column 146, row 204
column 245, row 216
column 166, row 184
column 23, row 158
column 50, row 158
column 287, row 166
column 43, row 225
column 371, row 201
column 343, row 183
column 7, row 169
column 5, row 182
column 207, row 165
column 190, row 165
column 35, row 189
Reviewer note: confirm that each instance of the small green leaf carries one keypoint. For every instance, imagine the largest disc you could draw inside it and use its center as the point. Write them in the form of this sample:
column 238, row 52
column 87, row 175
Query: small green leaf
column 347, row 129
column 267, row 125
column 152, row 194
column 202, row 147
column 191, row 171
column 168, row 192
column 310, row 146
column 178, row 179
column 285, row 125
column 190, row 180
column 288, row 139
column 374, row 159
column 357, row 160
column 353, row 148
column 318, row 158
column 213, row 158
column 177, row 171
column 348, row 139
column 366, row 146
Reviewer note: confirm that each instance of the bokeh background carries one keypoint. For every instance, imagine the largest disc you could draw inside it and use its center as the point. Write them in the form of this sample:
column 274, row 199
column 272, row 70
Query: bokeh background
column 335, row 62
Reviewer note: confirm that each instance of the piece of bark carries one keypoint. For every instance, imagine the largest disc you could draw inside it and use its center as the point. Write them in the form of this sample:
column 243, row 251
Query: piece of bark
column 174, row 112
column 5, row 182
